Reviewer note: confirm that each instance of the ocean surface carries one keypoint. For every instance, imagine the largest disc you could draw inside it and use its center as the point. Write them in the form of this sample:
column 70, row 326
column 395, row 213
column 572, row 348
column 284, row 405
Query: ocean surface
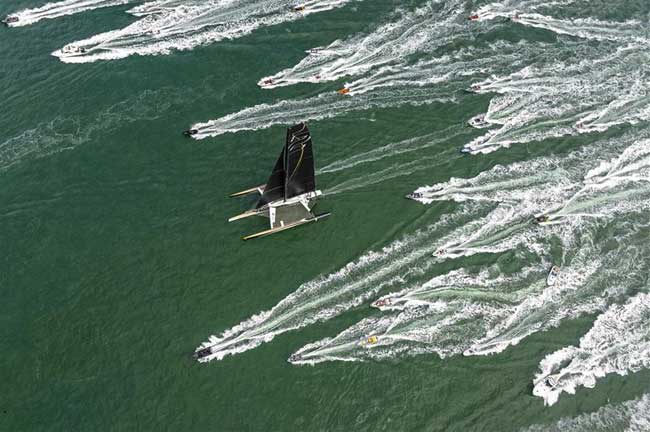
column 424, row 314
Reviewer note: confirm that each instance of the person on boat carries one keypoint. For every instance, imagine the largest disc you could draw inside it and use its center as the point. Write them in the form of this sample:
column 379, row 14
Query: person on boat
column 190, row 132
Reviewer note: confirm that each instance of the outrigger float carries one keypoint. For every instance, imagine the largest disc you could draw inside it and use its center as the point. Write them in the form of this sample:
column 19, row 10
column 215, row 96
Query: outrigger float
column 290, row 194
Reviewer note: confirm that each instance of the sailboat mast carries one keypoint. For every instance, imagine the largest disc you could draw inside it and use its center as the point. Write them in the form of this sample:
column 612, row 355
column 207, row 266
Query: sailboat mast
column 286, row 163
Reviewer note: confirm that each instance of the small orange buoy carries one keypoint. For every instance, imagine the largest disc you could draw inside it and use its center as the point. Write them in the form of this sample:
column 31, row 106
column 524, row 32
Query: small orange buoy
column 344, row 91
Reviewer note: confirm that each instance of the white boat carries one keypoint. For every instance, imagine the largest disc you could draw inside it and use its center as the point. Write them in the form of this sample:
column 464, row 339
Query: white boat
column 478, row 122
column 72, row 49
column 10, row 19
column 552, row 276
column 545, row 219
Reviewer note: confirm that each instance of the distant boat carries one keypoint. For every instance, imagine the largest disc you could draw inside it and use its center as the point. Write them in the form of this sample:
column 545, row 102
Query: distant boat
column 545, row 219
column 478, row 122
column 290, row 194
column 10, row 19
column 73, row 49
column 552, row 276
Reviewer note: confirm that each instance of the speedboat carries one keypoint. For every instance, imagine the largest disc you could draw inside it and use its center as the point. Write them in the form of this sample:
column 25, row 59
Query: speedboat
column 190, row 132
column 267, row 82
column 414, row 195
column 380, row 303
column 550, row 382
column 474, row 88
column 343, row 91
column 73, row 49
column 298, row 8
column 478, row 122
column 542, row 219
column 552, row 275
column 10, row 19
column 203, row 352
column 473, row 18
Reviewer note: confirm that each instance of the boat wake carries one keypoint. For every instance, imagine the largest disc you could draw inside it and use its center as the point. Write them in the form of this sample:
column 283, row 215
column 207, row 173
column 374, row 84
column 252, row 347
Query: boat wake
column 618, row 342
column 168, row 25
column 59, row 9
column 582, row 209
column 61, row 134
column 629, row 416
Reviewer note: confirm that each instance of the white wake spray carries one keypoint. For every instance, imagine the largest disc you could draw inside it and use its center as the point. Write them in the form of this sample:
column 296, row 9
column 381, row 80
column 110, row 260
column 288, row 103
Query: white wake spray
column 168, row 25
column 618, row 342
column 630, row 416
column 58, row 9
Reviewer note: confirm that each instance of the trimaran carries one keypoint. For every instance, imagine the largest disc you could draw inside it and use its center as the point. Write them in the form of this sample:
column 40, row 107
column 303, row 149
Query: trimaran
column 289, row 195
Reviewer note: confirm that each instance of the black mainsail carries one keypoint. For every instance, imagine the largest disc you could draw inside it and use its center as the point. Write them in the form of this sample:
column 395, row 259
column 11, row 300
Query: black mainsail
column 293, row 173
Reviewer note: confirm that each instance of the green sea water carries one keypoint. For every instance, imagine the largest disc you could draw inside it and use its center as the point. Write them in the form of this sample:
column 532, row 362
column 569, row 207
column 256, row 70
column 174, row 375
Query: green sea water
column 117, row 260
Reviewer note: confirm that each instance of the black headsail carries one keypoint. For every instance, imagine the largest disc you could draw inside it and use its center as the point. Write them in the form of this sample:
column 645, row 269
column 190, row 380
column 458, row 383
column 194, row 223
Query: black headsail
column 293, row 173
column 274, row 189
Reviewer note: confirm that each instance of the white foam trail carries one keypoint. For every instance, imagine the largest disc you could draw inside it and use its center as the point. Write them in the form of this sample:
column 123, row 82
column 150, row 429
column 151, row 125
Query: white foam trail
column 462, row 313
column 535, row 103
column 618, row 342
column 331, row 295
column 393, row 171
column 482, row 314
column 393, row 149
column 169, row 25
column 61, row 134
column 439, row 78
column 452, row 69
column 588, row 28
column 326, row 105
column 630, row 416
column 479, row 314
column 422, row 30
column 62, row 8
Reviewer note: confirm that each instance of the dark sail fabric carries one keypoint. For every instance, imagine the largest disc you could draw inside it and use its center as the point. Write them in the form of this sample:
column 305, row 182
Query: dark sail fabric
column 300, row 162
column 293, row 173
column 274, row 189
